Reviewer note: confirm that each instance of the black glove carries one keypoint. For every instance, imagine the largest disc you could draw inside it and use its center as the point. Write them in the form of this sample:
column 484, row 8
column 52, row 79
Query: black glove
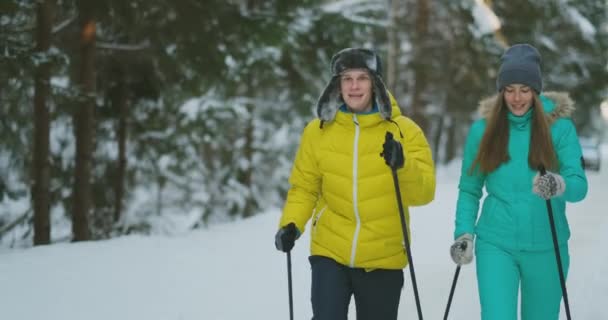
column 286, row 237
column 392, row 152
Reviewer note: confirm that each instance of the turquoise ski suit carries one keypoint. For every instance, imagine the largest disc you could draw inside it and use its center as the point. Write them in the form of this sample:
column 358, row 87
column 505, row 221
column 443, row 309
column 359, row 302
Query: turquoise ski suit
column 514, row 246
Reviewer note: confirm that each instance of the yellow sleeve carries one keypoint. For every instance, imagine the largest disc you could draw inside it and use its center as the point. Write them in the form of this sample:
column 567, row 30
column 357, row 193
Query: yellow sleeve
column 417, row 177
column 305, row 181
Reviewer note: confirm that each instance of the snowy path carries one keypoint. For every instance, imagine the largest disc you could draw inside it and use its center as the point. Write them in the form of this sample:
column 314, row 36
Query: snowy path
column 233, row 272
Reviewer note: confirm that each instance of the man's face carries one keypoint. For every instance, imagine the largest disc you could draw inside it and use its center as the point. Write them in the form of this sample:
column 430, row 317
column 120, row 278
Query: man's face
column 356, row 89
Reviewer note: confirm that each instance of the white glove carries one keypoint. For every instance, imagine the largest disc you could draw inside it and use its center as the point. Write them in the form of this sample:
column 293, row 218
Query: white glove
column 548, row 186
column 462, row 249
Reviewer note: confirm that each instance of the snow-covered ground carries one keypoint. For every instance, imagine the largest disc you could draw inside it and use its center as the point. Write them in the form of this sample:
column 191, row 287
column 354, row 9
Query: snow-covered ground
column 233, row 271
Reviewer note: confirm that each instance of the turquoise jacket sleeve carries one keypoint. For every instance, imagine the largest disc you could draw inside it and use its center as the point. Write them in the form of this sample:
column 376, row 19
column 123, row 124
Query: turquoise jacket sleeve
column 569, row 155
column 470, row 186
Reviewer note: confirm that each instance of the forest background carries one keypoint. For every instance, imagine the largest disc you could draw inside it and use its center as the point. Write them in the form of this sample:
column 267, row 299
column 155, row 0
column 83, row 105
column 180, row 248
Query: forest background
column 162, row 116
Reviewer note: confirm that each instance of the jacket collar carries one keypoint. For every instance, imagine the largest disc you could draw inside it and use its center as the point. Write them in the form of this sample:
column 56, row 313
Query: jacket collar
column 345, row 117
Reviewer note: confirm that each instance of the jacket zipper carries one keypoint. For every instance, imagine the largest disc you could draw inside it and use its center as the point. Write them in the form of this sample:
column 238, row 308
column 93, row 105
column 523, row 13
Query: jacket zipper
column 316, row 219
column 353, row 251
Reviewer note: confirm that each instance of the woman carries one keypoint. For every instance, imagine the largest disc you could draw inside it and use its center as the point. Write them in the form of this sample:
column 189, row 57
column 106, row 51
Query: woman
column 521, row 130
column 340, row 181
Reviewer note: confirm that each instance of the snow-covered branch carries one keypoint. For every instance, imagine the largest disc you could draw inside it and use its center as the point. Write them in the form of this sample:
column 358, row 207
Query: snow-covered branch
column 63, row 24
column 124, row 47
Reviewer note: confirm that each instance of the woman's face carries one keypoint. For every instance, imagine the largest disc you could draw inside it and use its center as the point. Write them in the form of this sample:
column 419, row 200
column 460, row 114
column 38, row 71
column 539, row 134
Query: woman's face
column 356, row 89
column 519, row 98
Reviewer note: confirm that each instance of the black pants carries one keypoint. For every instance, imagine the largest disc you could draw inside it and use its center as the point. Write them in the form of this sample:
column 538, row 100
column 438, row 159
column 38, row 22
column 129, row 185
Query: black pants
column 376, row 292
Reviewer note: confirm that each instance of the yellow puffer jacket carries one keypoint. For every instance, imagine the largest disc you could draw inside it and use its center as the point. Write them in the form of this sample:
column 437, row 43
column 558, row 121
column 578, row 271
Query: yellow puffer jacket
column 341, row 181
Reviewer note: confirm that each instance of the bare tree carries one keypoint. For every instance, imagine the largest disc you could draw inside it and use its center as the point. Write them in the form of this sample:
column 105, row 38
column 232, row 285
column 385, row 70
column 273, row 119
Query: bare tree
column 84, row 123
column 41, row 167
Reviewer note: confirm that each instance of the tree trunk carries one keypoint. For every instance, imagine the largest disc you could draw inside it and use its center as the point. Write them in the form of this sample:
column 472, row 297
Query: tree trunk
column 436, row 145
column 160, row 184
column 420, row 77
column 84, row 124
column 450, row 144
column 392, row 61
column 121, row 103
column 498, row 34
column 41, row 167
column 247, row 173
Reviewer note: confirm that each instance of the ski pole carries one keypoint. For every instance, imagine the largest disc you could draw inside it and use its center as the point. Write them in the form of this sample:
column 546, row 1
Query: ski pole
column 289, row 285
column 557, row 255
column 447, row 308
column 389, row 136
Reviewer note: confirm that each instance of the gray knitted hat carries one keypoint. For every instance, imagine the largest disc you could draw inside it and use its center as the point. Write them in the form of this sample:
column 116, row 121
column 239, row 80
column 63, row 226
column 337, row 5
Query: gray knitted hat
column 520, row 64
column 353, row 58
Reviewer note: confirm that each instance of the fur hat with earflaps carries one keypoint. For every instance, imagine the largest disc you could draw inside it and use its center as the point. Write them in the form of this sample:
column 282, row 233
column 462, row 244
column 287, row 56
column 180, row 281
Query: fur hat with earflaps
column 353, row 58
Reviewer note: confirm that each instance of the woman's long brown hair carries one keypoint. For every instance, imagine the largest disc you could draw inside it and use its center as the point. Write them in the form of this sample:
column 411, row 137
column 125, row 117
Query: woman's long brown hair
column 493, row 148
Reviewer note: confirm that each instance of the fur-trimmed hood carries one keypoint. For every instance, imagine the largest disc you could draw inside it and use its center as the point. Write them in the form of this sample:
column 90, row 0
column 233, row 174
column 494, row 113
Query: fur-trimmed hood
column 563, row 106
column 353, row 58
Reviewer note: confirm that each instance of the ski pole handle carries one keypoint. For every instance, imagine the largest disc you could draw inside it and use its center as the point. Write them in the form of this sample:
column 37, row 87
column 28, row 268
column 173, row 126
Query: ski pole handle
column 392, row 152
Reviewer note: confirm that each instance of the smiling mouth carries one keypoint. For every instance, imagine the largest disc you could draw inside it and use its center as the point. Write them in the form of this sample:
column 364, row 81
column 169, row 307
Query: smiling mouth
column 517, row 106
